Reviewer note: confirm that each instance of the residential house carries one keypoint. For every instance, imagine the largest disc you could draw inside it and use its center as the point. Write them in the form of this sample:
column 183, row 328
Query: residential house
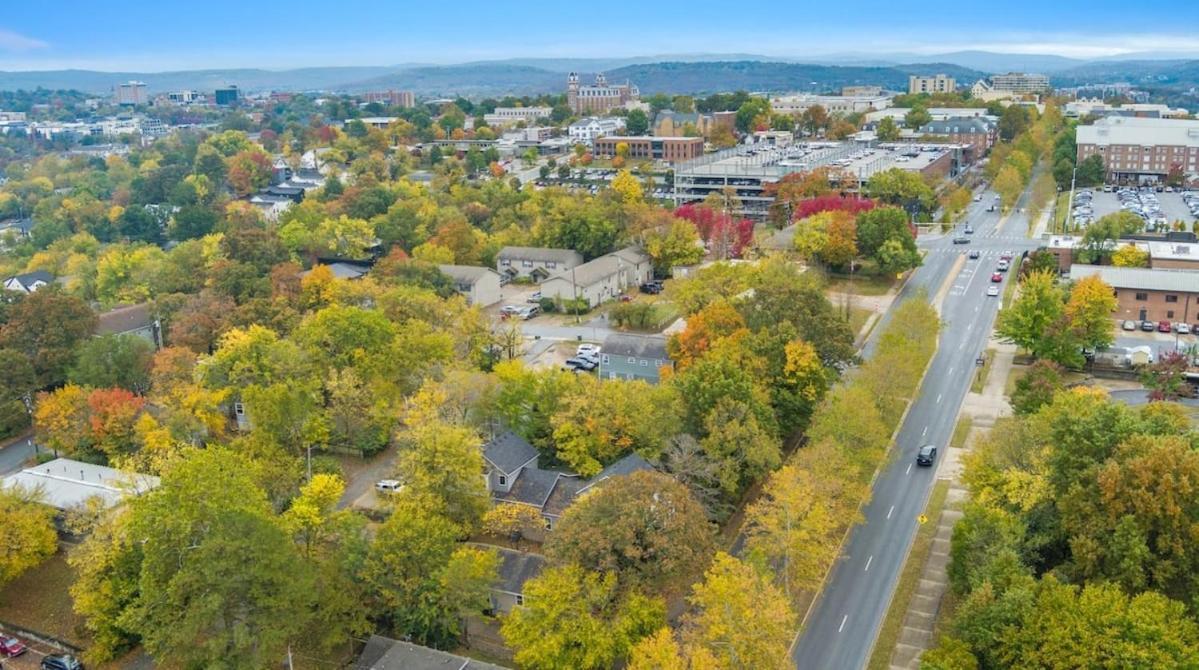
column 601, row 279
column 585, row 131
column 480, row 285
column 28, row 282
column 627, row 356
column 15, row 230
column 137, row 320
column 516, row 568
column 535, row 262
column 505, row 456
column 382, row 653
column 343, row 269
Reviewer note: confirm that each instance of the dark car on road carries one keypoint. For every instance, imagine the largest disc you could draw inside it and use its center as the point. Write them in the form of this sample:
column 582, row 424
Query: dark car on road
column 974, row 253
column 61, row 662
column 961, row 239
column 926, row 455
column 11, row 646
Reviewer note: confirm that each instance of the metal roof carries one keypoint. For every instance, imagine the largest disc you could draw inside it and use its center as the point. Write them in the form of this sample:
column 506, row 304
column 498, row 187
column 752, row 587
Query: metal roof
column 1182, row 281
column 66, row 483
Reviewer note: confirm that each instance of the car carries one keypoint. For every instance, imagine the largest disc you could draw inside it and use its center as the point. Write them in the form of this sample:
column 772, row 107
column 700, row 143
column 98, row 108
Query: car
column 511, row 309
column 527, row 312
column 1182, row 328
column 969, row 230
column 926, row 455
column 61, row 662
column 11, row 646
column 536, row 297
column 990, row 208
column 996, row 277
column 1163, row 326
column 587, row 349
column 1002, row 265
column 651, row 287
column 389, row 486
column 1148, row 326
column 978, row 197
column 626, row 297
column 961, row 239
column 1006, row 255
column 1129, row 325
column 580, row 363
column 974, row 253
column 992, row 291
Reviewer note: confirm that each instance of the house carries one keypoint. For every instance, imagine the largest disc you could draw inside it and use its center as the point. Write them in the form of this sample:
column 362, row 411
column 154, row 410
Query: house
column 537, row 263
column 66, row 483
column 601, row 279
column 15, row 229
column 505, row 456
column 136, row 320
column 516, row 568
column 480, row 285
column 585, row 131
column 626, row 356
column 382, row 653
column 343, row 269
column 28, row 282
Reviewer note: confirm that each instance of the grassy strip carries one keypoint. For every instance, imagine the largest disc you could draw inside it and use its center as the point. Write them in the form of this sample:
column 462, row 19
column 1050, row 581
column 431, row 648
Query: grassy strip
column 1009, row 291
column 1060, row 213
column 860, row 284
column 909, row 579
column 960, row 432
column 980, row 376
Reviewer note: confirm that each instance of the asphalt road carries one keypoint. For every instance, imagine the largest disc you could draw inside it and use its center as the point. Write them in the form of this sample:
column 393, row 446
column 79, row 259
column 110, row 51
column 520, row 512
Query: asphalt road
column 840, row 633
column 15, row 455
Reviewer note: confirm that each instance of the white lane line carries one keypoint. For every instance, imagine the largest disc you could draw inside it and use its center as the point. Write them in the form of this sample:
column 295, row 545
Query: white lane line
column 938, row 398
column 909, row 470
column 925, row 432
column 890, row 511
column 868, row 564
column 842, row 626
column 951, row 370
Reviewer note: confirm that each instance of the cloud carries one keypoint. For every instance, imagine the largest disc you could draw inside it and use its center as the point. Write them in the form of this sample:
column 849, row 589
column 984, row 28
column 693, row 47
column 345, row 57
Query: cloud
column 11, row 41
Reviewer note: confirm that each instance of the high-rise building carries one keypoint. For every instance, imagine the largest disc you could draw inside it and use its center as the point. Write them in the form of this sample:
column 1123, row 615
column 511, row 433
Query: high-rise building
column 227, row 96
column 132, row 93
column 1020, row 83
column 600, row 97
column 391, row 98
column 939, row 83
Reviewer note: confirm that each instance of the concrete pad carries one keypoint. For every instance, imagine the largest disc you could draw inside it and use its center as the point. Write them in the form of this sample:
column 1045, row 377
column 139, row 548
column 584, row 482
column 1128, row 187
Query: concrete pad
column 915, row 637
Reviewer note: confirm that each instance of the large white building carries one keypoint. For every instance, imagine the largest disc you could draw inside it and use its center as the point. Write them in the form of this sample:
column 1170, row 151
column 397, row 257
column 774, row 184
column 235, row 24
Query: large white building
column 585, row 131
column 1020, row 83
column 833, row 104
column 132, row 93
column 509, row 116
column 940, row 83
column 1095, row 107
column 1141, row 150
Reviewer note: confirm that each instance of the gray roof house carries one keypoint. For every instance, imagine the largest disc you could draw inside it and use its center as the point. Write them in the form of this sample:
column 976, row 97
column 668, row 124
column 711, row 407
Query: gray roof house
column 601, row 279
column 28, row 282
column 537, row 263
column 480, row 285
column 341, row 270
column 506, row 455
column 516, row 568
column 628, row 356
column 383, row 653
column 136, row 320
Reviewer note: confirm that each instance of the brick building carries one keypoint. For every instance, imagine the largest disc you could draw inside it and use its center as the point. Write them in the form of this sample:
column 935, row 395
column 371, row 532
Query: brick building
column 669, row 149
column 1141, row 150
column 600, row 97
column 1147, row 294
column 978, row 132
column 391, row 98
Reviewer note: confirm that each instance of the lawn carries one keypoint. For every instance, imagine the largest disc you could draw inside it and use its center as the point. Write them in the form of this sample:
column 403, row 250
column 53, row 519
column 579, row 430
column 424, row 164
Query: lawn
column 1018, row 372
column 888, row 634
column 857, row 319
column 981, row 374
column 860, row 284
column 1061, row 213
column 39, row 600
column 960, row 432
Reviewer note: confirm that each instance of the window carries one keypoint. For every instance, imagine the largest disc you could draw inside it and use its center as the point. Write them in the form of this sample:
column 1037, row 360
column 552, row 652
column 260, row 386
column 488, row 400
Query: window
column 604, row 358
column 644, row 363
column 527, row 264
column 1142, row 296
column 505, row 261
column 1171, row 298
column 549, row 523
column 550, row 265
column 632, row 360
column 520, row 600
column 239, row 409
column 1169, row 314
column 503, row 480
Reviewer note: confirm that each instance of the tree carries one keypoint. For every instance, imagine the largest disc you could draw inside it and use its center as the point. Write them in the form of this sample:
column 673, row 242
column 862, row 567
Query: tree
column 716, row 321
column 627, row 187
column 741, row 448
column 441, row 469
column 1166, row 377
column 887, row 130
column 60, row 420
column 248, row 171
column 1099, row 238
column 603, row 420
column 1036, row 320
column 1013, row 121
column 659, row 651
column 1091, row 171
column 740, row 618
column 637, row 122
column 114, row 360
column 901, row 188
column 752, row 113
column 876, row 227
column 27, row 533
column 1009, row 183
column 17, row 384
column 814, row 119
column 577, row 619
column 1130, row 256
column 916, row 118
column 1036, row 388
column 511, row 520
column 1089, row 312
column 673, row 245
column 795, row 527
column 46, row 327
column 644, row 527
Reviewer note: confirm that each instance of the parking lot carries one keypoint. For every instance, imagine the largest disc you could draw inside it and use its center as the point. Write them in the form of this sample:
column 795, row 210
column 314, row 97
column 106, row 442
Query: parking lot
column 1172, row 206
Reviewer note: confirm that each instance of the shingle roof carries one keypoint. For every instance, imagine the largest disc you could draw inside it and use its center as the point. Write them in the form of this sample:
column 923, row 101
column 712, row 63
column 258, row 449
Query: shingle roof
column 540, row 254
column 593, row 271
column 625, row 466
column 516, row 567
column 1183, row 281
column 125, row 319
column 641, row 346
column 532, row 487
column 562, row 496
column 508, row 451
column 383, row 653
column 468, row 274
column 632, row 255
column 29, row 278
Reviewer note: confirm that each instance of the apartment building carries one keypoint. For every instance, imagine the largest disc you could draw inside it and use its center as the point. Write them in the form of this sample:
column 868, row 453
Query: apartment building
column 391, row 98
column 600, row 97
column 669, row 149
column 585, row 131
column 1020, row 83
column 833, row 104
column 510, row 116
column 978, row 132
column 1141, row 150
column 132, row 93
column 938, row 83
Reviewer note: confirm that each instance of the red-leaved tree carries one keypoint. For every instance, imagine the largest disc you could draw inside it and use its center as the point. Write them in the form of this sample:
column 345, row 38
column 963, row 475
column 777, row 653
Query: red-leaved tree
column 725, row 236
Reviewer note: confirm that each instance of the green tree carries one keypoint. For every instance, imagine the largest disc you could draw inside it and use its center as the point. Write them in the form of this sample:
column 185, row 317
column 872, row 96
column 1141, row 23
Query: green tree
column 17, row 384
column 1036, row 320
column 916, row 118
column 887, row 130
column 637, row 122
column 750, row 113
column 1013, row 121
column 1091, row 171
column 600, row 421
column 441, row 467
column 673, row 245
column 113, row 360
column 1036, row 388
column 577, row 619
column 46, row 327
column 901, row 188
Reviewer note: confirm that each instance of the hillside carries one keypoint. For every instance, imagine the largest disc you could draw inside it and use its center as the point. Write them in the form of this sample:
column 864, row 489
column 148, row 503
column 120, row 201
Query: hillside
column 759, row 76
column 102, row 83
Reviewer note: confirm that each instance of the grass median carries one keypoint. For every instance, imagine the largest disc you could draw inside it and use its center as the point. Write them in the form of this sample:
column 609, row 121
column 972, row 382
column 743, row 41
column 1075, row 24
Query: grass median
column 909, row 579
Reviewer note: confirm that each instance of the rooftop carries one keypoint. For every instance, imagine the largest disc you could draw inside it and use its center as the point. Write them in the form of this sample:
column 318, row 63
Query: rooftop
column 641, row 346
column 508, row 451
column 66, row 483
column 516, row 567
column 1174, row 251
column 540, row 254
column 1182, row 281
column 125, row 319
column 468, row 274
column 1140, row 131
column 382, row 653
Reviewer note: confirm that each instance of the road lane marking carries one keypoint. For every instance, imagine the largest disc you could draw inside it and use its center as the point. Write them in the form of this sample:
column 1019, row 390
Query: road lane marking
column 842, row 626
column 951, row 370
column 909, row 470
column 938, row 398
column 868, row 563
column 892, row 507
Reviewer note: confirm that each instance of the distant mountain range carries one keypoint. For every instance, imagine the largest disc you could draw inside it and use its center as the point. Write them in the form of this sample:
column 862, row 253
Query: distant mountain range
column 677, row 73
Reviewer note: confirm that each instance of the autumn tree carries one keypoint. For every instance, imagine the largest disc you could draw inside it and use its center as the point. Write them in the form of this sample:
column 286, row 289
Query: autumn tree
column 442, row 466
column 740, row 618
column 600, row 421
column 1089, row 312
column 26, row 530
column 46, row 327
column 1130, row 256
column 113, row 360
column 717, row 320
column 1036, row 320
column 795, row 526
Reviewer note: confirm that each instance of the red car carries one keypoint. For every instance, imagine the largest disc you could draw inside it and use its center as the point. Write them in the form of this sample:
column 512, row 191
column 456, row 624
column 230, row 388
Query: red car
column 11, row 646
column 1163, row 326
column 996, row 277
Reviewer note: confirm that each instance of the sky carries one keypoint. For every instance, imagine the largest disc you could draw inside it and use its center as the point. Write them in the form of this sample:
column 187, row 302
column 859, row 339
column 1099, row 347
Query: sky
column 161, row 35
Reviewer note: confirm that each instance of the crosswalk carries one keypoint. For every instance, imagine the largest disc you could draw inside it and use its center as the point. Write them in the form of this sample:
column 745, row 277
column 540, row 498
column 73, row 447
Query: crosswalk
column 963, row 250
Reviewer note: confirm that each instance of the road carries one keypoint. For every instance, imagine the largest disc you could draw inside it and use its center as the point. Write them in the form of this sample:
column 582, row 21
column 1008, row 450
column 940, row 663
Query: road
column 845, row 620
column 15, row 455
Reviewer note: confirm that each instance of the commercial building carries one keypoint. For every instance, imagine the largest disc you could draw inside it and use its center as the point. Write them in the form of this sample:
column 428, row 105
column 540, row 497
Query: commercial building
column 132, row 93
column 669, row 149
column 184, row 97
column 391, row 98
column 669, row 123
column 1077, row 109
column 861, row 91
column 833, row 104
column 898, row 114
column 1020, row 83
column 510, row 116
column 939, row 83
column 600, row 97
column 1147, row 294
column 67, row 484
column 983, row 90
column 585, row 131
column 227, row 96
column 1141, row 150
column 977, row 131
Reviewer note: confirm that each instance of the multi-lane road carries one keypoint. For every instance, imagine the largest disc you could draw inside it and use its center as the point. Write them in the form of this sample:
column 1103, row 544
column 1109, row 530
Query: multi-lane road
column 844, row 622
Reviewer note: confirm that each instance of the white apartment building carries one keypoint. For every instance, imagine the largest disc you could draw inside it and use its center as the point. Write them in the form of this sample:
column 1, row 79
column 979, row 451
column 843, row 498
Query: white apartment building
column 132, row 93
column 585, row 131
column 940, row 83
column 833, row 104
column 1020, row 83
column 508, row 116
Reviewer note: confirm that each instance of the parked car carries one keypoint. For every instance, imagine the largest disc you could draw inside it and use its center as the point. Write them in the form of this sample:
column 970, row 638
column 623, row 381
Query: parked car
column 587, row 349
column 1163, row 326
column 992, row 291
column 996, row 277
column 651, row 287
column 1182, row 328
column 990, row 208
column 536, row 297
column 389, row 486
column 11, row 646
column 1148, row 326
column 580, row 363
column 974, row 253
column 978, row 197
column 961, row 239
column 61, row 662
column 926, row 455
column 511, row 309
column 528, row 311
column 1129, row 325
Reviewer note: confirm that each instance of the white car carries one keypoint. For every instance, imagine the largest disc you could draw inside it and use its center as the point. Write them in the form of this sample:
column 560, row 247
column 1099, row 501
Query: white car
column 1182, row 328
column 587, row 350
column 992, row 290
column 389, row 486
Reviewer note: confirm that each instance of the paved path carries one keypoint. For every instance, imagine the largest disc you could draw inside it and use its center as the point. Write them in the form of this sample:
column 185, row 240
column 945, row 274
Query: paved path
column 16, row 454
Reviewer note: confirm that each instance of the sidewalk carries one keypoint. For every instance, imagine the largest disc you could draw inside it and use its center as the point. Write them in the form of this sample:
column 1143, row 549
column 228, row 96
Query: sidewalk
column 919, row 624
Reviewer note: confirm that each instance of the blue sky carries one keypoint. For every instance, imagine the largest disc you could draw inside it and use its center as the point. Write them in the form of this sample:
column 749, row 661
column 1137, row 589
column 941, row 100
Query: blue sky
column 155, row 35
